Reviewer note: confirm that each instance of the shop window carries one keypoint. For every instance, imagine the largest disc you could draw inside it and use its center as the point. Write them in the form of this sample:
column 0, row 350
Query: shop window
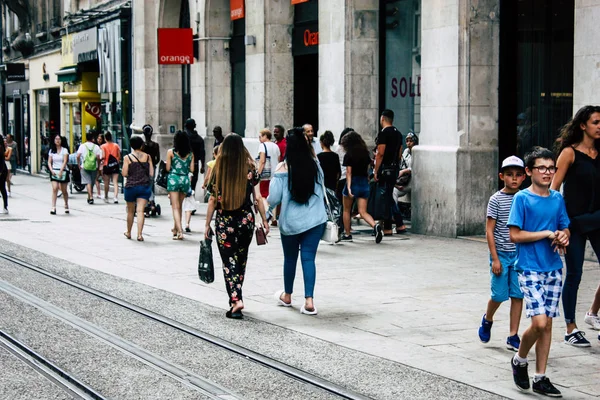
column 401, row 62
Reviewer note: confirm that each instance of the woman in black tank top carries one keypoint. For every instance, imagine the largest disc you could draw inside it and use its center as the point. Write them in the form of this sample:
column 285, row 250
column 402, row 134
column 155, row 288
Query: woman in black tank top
column 579, row 169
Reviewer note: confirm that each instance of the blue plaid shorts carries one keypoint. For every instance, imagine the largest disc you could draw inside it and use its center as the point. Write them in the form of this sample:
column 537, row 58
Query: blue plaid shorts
column 541, row 292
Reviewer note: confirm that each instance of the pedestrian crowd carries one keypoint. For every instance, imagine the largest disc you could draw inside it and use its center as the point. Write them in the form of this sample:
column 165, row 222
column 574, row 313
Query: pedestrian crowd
column 307, row 187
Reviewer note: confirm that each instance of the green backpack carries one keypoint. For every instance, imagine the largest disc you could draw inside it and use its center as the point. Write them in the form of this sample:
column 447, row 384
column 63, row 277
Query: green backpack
column 89, row 161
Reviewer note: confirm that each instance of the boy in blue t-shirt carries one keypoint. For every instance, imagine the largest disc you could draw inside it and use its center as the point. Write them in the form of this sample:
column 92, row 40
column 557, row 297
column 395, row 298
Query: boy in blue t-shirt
column 538, row 224
column 503, row 254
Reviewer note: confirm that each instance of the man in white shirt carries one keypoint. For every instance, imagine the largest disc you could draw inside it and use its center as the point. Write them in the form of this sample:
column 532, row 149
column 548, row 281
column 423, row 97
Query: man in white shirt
column 267, row 160
column 310, row 134
column 87, row 166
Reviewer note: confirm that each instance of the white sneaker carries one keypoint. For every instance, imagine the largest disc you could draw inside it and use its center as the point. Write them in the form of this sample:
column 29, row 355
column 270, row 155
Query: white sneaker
column 99, row 197
column 115, row 200
column 9, row 195
column 592, row 320
column 4, row 211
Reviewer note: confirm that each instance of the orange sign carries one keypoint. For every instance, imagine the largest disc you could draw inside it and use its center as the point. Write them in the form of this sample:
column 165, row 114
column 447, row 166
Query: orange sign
column 237, row 9
column 311, row 38
column 299, row 1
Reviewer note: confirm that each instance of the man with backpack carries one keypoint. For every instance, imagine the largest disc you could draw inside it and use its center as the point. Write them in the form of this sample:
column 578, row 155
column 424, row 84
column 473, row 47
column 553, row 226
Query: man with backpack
column 88, row 159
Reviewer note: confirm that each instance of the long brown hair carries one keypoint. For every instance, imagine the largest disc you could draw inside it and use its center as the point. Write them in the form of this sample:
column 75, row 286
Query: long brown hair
column 230, row 173
column 571, row 133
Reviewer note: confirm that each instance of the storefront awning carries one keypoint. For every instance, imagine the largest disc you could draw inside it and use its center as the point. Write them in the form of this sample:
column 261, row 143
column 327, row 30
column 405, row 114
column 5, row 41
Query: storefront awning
column 67, row 74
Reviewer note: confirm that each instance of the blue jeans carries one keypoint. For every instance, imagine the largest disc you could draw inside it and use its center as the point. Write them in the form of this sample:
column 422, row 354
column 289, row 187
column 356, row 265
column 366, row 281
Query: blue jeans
column 574, row 260
column 306, row 243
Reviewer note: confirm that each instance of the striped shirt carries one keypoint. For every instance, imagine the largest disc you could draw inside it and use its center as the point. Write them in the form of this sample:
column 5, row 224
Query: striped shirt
column 499, row 209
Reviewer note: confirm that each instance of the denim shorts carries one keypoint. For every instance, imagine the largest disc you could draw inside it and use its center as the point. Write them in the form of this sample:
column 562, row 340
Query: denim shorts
column 506, row 284
column 133, row 193
column 360, row 187
column 542, row 292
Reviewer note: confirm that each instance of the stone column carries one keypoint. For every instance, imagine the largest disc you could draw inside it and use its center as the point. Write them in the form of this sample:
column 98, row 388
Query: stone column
column 456, row 164
column 586, row 65
column 349, row 66
column 269, row 66
column 146, row 91
column 586, row 55
column 211, row 78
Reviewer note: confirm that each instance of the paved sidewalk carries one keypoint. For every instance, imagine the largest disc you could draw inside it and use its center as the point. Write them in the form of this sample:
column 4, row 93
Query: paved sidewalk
column 414, row 299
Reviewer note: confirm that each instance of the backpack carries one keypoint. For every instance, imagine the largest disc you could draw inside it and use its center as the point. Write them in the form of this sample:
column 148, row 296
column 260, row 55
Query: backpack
column 89, row 161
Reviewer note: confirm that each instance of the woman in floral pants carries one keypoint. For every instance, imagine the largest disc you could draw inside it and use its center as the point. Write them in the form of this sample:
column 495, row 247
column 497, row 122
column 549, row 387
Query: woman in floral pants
column 232, row 184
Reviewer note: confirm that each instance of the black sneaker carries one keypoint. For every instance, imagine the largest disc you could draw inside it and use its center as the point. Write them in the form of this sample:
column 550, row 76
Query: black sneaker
column 577, row 339
column 520, row 375
column 543, row 386
column 378, row 233
column 346, row 238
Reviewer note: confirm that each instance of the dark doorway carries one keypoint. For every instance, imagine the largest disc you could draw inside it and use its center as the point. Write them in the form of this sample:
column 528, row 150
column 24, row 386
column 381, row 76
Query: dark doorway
column 305, row 49
column 238, row 77
column 536, row 73
column 306, row 90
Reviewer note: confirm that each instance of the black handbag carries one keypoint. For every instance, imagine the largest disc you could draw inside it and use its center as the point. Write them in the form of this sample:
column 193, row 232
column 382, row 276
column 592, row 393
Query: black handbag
column 376, row 205
column 162, row 175
column 206, row 268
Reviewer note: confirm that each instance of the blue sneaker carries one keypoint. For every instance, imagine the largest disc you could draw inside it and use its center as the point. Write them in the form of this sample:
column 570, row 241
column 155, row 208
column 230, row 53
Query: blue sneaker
column 513, row 342
column 485, row 330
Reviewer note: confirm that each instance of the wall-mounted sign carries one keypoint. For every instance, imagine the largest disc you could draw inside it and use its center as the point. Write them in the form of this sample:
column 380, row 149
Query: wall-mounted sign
column 172, row 129
column 237, row 9
column 305, row 39
column 85, row 45
column 311, row 38
column 175, row 46
column 15, row 71
column 66, row 51
column 94, row 109
column 299, row 1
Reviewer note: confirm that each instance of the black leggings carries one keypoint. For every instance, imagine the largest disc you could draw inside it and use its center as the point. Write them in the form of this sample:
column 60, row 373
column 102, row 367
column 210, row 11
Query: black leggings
column 3, row 176
column 574, row 259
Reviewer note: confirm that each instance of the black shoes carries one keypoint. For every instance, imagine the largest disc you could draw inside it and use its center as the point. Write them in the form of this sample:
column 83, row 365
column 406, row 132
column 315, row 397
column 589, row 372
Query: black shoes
column 543, row 386
column 378, row 233
column 234, row 315
column 520, row 375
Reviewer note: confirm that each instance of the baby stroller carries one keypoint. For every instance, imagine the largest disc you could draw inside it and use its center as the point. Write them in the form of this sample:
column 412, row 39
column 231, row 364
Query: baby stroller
column 152, row 209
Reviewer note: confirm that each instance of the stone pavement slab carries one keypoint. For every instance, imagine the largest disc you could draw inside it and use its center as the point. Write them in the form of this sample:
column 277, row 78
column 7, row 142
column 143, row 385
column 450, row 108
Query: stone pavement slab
column 413, row 299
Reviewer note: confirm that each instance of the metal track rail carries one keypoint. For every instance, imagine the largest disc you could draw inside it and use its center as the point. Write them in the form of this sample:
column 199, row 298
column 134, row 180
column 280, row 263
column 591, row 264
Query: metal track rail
column 48, row 370
column 176, row 372
column 232, row 347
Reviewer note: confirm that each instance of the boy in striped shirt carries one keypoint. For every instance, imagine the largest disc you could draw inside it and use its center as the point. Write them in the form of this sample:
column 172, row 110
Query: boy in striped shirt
column 503, row 254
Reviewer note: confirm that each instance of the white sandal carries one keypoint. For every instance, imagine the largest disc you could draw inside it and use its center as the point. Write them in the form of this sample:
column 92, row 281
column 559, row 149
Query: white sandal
column 303, row 310
column 280, row 302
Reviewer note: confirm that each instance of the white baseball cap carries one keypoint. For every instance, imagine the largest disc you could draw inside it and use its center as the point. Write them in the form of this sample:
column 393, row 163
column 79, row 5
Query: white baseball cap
column 512, row 161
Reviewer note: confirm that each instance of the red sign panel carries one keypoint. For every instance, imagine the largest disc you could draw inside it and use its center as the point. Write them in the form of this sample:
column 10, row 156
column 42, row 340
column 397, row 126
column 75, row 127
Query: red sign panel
column 237, row 9
column 299, row 1
column 94, row 109
column 175, row 46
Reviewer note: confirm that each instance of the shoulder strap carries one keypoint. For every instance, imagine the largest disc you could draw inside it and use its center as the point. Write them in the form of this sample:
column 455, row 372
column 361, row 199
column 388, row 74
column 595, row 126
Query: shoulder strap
column 266, row 151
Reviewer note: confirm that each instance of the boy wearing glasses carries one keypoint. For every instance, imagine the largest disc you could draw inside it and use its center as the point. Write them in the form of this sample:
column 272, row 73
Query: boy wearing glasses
column 538, row 224
column 503, row 254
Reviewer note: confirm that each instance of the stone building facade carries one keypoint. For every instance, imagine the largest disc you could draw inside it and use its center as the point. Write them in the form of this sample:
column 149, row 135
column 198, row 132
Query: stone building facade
column 476, row 80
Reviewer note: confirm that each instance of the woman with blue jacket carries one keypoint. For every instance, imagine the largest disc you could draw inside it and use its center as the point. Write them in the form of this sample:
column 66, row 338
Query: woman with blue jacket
column 297, row 186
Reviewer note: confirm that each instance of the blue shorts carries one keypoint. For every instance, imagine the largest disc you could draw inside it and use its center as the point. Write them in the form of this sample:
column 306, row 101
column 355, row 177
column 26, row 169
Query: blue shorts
column 542, row 292
column 360, row 187
column 133, row 193
column 506, row 284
